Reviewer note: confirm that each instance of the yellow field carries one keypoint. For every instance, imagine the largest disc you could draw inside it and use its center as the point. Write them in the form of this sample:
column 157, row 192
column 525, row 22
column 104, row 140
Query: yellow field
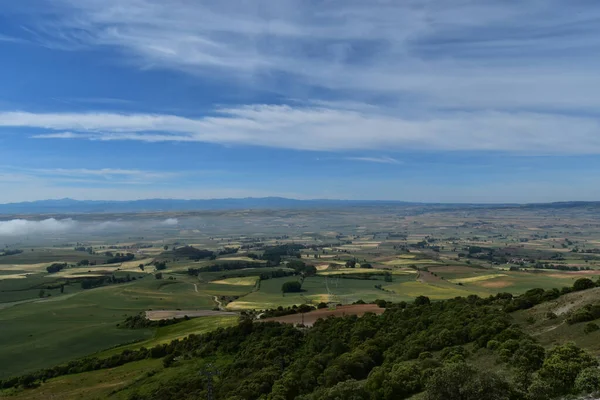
column 476, row 278
column 240, row 258
column 250, row 305
column 409, row 261
column 241, row 281
column 352, row 271
column 403, row 271
column 41, row 267
column 133, row 265
column 13, row 276
column 342, row 271
column 73, row 275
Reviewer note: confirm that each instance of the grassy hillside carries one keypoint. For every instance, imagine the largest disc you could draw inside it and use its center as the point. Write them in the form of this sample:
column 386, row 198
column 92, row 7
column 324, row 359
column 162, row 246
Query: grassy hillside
column 421, row 350
column 85, row 321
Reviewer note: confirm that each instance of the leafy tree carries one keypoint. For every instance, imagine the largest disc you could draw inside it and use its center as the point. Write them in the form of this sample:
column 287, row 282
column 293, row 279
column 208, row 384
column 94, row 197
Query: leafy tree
column 347, row 390
column 169, row 359
column 562, row 365
column 291, row 287
column 402, row 381
column 588, row 381
column 591, row 327
column 583, row 284
column 56, row 267
column 458, row 381
column 422, row 300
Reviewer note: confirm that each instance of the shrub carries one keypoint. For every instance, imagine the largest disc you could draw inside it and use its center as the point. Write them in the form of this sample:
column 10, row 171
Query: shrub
column 291, row 287
column 588, row 381
column 591, row 327
column 583, row 284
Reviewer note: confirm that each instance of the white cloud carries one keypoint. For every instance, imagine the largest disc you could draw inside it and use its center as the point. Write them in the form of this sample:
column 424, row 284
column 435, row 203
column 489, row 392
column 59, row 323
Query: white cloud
column 431, row 54
column 87, row 175
column 338, row 129
column 20, row 227
column 453, row 75
column 59, row 135
column 379, row 160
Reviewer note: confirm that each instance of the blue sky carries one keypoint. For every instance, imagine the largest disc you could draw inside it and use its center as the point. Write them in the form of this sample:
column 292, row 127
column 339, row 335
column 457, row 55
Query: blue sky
column 437, row 101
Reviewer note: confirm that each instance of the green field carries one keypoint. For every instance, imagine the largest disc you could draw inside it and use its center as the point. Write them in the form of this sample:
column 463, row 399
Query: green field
column 315, row 290
column 36, row 334
column 51, row 255
column 92, row 385
column 166, row 334
column 214, row 276
column 437, row 291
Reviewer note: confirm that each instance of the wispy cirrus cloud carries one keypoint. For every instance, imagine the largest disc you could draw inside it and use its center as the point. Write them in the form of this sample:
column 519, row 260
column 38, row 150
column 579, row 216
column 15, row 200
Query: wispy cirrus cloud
column 378, row 160
column 435, row 75
column 332, row 129
column 59, row 135
column 429, row 54
column 86, row 175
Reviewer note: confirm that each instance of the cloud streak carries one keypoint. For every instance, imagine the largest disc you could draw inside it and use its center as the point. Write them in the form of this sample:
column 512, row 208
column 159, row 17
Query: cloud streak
column 21, row 227
column 430, row 54
column 321, row 128
column 106, row 175
column 378, row 160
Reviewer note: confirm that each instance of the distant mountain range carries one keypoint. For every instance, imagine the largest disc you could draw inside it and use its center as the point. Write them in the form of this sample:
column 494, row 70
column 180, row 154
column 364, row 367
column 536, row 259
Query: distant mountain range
column 71, row 206
column 66, row 206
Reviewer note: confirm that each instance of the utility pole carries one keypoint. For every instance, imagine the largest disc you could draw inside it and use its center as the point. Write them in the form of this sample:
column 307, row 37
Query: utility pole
column 209, row 371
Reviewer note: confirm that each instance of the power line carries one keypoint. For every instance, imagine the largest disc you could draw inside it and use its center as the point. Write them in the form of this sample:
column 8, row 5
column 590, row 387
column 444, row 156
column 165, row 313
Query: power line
column 209, row 372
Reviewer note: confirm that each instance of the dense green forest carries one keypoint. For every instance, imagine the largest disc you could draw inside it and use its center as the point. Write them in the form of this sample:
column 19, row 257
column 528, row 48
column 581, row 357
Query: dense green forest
column 424, row 348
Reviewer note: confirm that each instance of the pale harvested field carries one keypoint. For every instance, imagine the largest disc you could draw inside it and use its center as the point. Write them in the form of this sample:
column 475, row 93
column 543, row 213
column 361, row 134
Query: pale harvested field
column 476, row 278
column 311, row 317
column 495, row 284
column 241, row 281
column 341, row 271
column 405, row 261
column 74, row 275
column 561, row 276
column 241, row 258
column 41, row 267
column 13, row 276
column 452, row 269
